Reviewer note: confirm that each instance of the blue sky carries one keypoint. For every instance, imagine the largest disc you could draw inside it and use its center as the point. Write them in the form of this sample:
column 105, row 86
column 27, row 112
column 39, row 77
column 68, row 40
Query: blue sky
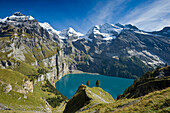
column 83, row 14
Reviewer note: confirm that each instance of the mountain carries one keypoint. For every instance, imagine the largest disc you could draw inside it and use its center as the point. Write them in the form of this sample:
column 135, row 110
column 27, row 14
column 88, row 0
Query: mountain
column 64, row 34
column 48, row 27
column 16, row 17
column 118, row 50
column 164, row 32
column 109, row 49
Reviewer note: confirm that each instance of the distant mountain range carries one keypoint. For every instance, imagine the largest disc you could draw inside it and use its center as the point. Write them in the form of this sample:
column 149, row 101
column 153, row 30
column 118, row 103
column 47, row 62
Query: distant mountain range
column 109, row 49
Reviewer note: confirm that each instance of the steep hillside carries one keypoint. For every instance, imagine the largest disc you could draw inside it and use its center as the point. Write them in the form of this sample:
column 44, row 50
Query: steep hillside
column 154, row 80
column 85, row 98
column 21, row 94
column 155, row 102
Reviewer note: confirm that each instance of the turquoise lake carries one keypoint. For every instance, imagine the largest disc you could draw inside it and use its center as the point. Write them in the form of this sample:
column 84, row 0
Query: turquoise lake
column 69, row 84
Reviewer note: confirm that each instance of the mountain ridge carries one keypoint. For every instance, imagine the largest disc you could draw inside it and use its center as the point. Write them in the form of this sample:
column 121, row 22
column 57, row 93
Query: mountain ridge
column 120, row 44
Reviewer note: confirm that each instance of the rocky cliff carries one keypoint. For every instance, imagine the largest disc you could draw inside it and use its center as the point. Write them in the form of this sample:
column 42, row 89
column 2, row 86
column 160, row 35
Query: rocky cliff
column 25, row 45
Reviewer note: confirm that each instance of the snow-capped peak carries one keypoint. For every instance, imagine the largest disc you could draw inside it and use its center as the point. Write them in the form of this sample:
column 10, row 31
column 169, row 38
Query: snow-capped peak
column 17, row 16
column 3, row 20
column 70, row 32
column 107, row 31
column 48, row 27
column 64, row 34
column 45, row 25
column 30, row 18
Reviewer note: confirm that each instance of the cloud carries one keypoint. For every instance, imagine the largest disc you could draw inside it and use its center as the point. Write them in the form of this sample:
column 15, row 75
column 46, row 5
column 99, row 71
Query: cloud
column 147, row 15
column 103, row 12
column 150, row 17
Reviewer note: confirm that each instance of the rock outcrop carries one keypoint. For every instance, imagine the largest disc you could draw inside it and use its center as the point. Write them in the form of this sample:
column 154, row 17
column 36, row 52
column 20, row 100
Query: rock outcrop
column 7, row 88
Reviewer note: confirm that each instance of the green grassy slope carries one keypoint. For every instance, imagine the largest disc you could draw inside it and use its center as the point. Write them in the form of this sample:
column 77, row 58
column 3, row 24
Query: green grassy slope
column 35, row 101
column 86, row 97
column 155, row 102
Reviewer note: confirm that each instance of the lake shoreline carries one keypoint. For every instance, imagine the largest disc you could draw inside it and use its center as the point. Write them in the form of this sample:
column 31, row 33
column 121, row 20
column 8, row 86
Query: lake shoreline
column 68, row 84
column 82, row 72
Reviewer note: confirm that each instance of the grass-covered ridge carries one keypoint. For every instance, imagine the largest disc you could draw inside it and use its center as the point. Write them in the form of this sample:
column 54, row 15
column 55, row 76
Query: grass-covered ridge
column 12, row 77
column 155, row 102
column 86, row 97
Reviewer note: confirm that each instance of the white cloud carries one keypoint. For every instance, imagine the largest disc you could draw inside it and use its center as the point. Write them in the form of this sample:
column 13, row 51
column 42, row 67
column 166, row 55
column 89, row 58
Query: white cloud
column 104, row 12
column 150, row 17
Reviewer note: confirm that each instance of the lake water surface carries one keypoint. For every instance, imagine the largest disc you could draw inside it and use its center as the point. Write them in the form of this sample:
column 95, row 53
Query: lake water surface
column 69, row 84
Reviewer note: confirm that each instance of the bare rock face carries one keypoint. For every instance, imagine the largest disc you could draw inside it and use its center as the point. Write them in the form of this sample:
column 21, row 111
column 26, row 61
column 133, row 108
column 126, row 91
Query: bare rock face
column 26, row 88
column 7, row 88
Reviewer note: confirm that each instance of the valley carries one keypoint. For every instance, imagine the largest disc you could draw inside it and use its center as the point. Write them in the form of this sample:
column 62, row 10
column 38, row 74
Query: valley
column 34, row 56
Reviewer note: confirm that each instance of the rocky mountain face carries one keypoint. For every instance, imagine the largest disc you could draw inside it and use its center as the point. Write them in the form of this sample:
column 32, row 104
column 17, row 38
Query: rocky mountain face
column 118, row 50
column 114, row 50
column 27, row 47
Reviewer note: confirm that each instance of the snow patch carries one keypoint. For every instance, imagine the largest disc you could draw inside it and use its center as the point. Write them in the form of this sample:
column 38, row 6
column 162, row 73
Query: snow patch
column 146, row 57
column 140, row 32
column 30, row 18
column 107, row 31
column 14, row 17
column 87, row 38
column 144, row 33
column 70, row 32
column 48, row 27
column 64, row 34
column 3, row 20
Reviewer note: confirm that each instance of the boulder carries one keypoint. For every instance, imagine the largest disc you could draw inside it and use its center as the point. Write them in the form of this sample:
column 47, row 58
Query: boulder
column 7, row 88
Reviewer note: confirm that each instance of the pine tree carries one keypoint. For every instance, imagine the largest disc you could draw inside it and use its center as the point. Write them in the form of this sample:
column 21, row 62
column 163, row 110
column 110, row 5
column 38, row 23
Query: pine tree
column 88, row 83
column 97, row 83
